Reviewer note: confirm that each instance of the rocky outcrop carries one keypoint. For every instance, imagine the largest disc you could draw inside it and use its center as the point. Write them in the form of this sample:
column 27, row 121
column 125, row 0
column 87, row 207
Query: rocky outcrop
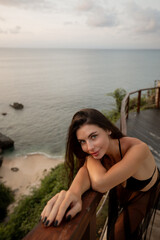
column 4, row 113
column 5, row 142
column 17, row 105
column 1, row 160
column 15, row 169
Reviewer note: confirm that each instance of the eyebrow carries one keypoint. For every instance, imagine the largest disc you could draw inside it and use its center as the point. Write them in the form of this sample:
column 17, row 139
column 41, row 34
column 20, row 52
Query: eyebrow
column 89, row 135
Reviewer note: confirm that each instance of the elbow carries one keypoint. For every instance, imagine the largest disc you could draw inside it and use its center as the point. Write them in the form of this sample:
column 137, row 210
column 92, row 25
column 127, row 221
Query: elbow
column 98, row 186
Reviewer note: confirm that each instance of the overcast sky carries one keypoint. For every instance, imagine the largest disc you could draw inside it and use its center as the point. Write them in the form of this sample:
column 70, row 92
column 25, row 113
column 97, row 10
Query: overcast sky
column 80, row 23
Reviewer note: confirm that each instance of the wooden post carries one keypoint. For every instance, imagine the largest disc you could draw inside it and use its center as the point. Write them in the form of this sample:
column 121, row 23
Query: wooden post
column 90, row 233
column 139, row 101
column 127, row 108
column 158, row 98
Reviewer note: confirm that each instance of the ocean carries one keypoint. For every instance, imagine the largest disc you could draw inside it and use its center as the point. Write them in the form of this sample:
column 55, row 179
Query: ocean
column 53, row 84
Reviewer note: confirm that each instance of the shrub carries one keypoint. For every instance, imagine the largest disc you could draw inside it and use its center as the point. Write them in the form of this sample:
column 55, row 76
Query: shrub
column 5, row 199
column 27, row 214
column 118, row 95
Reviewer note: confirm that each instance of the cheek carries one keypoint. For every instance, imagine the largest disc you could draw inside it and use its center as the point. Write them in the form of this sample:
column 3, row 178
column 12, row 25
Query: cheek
column 83, row 147
column 104, row 143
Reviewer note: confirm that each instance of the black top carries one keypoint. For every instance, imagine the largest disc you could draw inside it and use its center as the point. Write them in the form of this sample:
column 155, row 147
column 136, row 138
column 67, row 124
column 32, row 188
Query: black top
column 133, row 183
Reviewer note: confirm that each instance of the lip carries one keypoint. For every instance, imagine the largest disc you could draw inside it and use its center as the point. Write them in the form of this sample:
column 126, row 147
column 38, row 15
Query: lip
column 95, row 153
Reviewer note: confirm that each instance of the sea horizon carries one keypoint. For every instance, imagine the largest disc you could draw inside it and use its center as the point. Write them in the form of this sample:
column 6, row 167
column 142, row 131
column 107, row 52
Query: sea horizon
column 77, row 48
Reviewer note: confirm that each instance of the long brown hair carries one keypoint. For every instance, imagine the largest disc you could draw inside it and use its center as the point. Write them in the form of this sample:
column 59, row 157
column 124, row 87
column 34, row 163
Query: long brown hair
column 75, row 157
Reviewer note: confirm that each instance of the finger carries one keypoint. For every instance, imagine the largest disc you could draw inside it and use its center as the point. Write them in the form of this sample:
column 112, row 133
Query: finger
column 48, row 206
column 62, row 210
column 55, row 208
column 47, row 209
column 74, row 210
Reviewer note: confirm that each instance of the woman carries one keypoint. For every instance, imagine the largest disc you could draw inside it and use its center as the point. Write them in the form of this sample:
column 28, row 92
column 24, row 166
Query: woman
column 107, row 160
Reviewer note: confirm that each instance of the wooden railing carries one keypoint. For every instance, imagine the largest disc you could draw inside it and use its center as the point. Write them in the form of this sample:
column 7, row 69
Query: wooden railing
column 81, row 227
column 125, row 106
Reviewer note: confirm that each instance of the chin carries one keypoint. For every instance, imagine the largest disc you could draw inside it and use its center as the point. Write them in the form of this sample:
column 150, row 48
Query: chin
column 95, row 157
column 98, row 157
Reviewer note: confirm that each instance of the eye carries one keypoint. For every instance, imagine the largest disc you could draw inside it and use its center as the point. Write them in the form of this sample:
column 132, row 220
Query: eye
column 81, row 142
column 93, row 137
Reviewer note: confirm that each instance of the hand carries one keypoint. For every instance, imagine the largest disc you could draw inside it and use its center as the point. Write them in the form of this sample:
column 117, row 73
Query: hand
column 57, row 206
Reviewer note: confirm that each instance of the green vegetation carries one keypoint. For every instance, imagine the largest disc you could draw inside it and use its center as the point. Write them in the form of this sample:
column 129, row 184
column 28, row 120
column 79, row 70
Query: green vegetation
column 101, row 219
column 118, row 95
column 27, row 214
column 114, row 114
column 5, row 199
column 147, row 101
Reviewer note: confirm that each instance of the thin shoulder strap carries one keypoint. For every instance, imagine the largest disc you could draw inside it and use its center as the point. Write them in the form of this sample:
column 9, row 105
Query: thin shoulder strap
column 154, row 171
column 120, row 148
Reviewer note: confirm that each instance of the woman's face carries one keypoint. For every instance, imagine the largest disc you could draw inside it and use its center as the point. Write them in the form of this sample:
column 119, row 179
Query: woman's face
column 93, row 140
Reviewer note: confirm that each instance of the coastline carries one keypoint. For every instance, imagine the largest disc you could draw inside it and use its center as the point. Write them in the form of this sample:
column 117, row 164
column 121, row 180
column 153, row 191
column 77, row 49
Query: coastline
column 23, row 173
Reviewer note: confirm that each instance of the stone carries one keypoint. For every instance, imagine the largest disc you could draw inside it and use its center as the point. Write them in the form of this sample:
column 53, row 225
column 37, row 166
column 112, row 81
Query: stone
column 1, row 160
column 15, row 169
column 5, row 142
column 4, row 113
column 17, row 105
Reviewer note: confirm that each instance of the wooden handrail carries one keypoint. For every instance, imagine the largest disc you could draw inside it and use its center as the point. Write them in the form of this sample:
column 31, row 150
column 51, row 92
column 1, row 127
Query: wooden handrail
column 81, row 227
column 125, row 106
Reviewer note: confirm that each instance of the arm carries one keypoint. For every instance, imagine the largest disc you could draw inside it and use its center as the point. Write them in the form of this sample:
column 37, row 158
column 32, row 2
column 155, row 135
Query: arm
column 81, row 182
column 103, row 180
column 57, row 206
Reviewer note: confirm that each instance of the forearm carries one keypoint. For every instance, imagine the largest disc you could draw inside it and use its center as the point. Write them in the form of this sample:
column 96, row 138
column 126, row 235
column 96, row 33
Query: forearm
column 96, row 172
column 95, row 168
column 81, row 182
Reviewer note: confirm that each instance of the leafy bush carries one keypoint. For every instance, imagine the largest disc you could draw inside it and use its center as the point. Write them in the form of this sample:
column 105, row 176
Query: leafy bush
column 27, row 214
column 118, row 95
column 114, row 114
column 5, row 199
column 147, row 101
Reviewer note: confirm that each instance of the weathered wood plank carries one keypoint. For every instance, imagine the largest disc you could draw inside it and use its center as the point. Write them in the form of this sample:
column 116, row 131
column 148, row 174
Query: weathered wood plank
column 146, row 127
column 74, row 229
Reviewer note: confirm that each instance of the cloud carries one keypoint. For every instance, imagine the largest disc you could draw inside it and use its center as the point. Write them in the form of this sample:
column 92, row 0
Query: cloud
column 144, row 20
column 102, row 19
column 85, row 5
column 31, row 4
column 97, row 14
column 68, row 23
column 3, row 31
column 2, row 19
column 14, row 30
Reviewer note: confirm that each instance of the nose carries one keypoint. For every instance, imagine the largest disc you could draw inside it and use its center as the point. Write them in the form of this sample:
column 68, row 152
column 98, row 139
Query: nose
column 90, row 146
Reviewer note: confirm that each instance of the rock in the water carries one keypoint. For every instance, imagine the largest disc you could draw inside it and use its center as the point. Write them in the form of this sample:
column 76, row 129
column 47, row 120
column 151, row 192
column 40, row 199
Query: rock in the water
column 15, row 169
column 1, row 160
column 17, row 105
column 5, row 142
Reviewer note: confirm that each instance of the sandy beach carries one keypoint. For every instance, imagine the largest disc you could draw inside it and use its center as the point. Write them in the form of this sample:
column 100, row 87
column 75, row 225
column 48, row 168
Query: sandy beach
column 26, row 172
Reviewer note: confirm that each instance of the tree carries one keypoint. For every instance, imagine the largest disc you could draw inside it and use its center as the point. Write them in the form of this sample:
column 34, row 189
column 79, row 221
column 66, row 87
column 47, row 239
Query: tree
column 118, row 95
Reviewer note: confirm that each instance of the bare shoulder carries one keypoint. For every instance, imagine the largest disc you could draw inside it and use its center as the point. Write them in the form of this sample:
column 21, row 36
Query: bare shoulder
column 138, row 151
column 128, row 143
